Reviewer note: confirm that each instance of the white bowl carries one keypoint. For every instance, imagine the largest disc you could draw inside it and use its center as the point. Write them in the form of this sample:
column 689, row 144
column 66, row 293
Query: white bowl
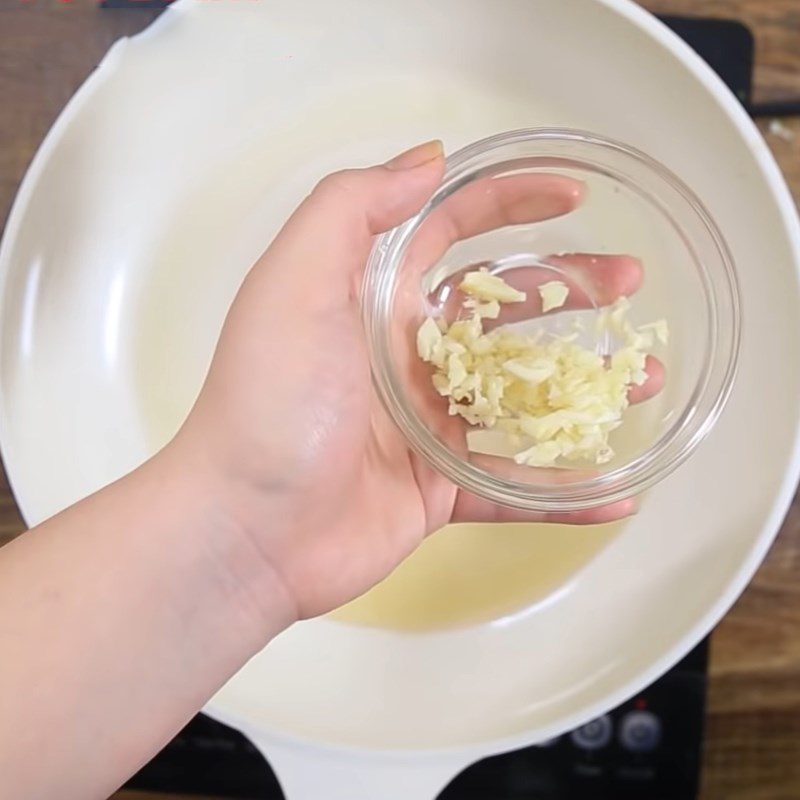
column 163, row 180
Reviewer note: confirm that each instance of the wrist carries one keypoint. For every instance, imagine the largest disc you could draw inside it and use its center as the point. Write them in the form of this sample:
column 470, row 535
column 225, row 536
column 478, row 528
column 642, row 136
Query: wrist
column 233, row 564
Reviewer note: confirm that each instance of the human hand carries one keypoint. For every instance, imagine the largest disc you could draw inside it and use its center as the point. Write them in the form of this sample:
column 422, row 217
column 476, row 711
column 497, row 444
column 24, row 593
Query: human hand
column 287, row 492
column 312, row 469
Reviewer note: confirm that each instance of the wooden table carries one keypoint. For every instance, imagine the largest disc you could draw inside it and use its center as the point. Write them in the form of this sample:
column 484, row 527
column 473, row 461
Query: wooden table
column 753, row 736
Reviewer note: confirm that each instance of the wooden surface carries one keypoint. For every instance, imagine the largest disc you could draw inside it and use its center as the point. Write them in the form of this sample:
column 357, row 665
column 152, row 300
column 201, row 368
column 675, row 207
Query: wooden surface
column 753, row 730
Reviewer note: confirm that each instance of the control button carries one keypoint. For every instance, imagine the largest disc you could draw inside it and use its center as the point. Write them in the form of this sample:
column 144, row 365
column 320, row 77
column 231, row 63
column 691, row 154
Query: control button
column 640, row 732
column 594, row 735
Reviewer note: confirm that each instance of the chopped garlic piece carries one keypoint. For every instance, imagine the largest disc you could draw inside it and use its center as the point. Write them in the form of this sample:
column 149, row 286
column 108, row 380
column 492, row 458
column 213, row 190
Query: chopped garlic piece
column 493, row 442
column 542, row 401
column 659, row 328
column 490, row 309
column 554, row 294
column 530, row 370
column 484, row 286
column 540, row 455
column 428, row 338
column 629, row 358
column 456, row 371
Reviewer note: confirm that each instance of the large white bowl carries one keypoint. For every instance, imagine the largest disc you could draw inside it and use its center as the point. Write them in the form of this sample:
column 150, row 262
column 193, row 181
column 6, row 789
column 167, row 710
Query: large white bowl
column 166, row 176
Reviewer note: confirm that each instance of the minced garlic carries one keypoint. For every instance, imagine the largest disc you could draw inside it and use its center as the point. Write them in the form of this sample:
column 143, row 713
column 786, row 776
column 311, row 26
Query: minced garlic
column 540, row 400
column 482, row 285
column 554, row 294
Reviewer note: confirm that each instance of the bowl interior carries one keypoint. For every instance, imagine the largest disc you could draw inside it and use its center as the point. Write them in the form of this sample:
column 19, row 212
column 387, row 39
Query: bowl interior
column 638, row 232
column 107, row 327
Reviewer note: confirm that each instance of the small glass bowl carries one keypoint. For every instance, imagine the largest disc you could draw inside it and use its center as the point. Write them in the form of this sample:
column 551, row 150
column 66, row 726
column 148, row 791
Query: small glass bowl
column 635, row 229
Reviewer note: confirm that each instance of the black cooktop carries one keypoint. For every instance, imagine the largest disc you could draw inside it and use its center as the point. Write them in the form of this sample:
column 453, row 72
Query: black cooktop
column 647, row 749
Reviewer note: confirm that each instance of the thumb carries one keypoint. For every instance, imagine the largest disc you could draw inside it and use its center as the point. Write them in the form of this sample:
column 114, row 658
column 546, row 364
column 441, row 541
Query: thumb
column 336, row 222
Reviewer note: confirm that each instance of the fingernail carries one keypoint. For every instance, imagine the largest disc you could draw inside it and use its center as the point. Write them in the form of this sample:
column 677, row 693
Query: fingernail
column 417, row 156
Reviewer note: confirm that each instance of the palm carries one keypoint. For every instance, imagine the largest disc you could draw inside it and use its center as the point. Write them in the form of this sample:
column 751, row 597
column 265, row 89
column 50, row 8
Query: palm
column 288, row 408
column 373, row 499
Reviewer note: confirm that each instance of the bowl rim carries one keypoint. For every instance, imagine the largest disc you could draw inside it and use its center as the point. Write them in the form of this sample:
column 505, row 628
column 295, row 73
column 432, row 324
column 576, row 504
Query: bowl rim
column 626, row 480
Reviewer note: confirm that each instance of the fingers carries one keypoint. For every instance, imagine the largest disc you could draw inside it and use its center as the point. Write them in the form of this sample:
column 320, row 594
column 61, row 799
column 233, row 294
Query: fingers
column 469, row 508
column 334, row 226
column 652, row 386
column 591, row 279
column 491, row 203
column 605, row 277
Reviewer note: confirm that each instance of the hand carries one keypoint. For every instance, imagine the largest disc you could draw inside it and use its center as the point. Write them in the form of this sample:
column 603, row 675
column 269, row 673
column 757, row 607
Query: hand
column 287, row 492
column 314, row 471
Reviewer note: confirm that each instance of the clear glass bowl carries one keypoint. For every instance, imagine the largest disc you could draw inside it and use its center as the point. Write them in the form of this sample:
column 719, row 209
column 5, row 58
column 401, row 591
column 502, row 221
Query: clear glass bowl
column 640, row 222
